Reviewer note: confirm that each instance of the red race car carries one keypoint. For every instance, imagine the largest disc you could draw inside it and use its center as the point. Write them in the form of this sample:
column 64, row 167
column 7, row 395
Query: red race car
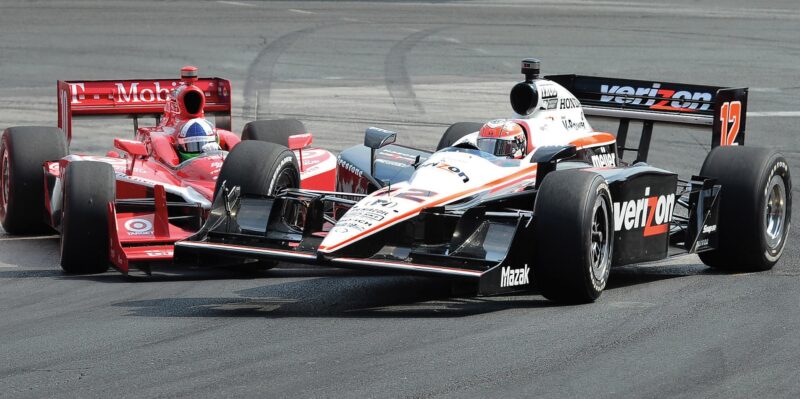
column 127, row 208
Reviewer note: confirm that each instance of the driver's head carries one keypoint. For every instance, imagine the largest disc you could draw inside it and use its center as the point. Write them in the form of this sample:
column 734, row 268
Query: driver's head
column 193, row 135
column 503, row 138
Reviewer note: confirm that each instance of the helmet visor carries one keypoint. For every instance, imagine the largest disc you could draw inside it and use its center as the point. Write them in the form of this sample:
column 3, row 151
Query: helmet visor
column 500, row 148
column 194, row 144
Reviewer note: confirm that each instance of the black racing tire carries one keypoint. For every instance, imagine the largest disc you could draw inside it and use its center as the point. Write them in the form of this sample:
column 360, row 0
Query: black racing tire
column 755, row 208
column 273, row 131
column 455, row 132
column 88, row 188
column 574, row 234
column 259, row 168
column 23, row 151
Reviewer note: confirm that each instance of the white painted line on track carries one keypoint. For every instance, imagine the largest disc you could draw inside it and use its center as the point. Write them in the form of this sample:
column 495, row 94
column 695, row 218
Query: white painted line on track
column 27, row 238
column 235, row 3
column 300, row 11
column 778, row 114
column 8, row 266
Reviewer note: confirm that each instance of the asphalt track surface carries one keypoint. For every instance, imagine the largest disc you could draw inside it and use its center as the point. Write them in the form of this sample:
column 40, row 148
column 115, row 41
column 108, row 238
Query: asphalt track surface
column 675, row 329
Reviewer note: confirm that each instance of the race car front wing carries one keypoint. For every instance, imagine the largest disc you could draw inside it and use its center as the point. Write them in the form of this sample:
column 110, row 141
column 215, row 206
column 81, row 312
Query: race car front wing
column 478, row 245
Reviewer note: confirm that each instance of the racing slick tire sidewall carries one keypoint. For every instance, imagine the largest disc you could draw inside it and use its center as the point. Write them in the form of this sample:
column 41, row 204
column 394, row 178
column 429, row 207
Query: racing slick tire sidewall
column 574, row 236
column 259, row 168
column 23, row 152
column 275, row 131
column 747, row 176
column 88, row 189
column 455, row 132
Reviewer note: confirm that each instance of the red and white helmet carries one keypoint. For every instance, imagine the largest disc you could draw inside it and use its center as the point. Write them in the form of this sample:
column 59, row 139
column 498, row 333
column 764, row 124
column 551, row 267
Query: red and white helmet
column 503, row 138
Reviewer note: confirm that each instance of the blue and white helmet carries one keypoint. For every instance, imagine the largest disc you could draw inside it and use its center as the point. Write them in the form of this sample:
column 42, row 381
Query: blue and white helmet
column 194, row 134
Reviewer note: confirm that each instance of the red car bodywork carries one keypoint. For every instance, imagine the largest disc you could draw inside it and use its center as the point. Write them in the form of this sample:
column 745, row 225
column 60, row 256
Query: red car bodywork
column 155, row 193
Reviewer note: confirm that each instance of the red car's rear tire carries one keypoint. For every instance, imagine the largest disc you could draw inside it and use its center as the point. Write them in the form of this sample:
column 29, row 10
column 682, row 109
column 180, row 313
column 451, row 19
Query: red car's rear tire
column 455, row 132
column 23, row 151
column 88, row 189
column 273, row 131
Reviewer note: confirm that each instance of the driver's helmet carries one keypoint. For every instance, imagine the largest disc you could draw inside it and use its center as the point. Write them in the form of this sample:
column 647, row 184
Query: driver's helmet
column 193, row 135
column 503, row 138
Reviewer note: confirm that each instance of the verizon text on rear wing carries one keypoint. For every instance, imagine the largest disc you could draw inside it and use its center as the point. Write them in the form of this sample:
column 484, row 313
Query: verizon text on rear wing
column 134, row 99
column 723, row 109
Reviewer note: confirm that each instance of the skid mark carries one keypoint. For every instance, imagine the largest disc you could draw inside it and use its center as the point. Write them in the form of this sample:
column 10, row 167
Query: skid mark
column 396, row 74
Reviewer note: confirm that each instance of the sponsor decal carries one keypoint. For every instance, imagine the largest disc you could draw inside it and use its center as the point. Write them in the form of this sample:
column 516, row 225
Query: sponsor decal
column 651, row 213
column 135, row 92
column 709, row 229
column 550, row 103
column 513, row 277
column 393, row 163
column 447, row 167
column 139, row 227
column 158, row 252
column 284, row 161
column 547, row 92
column 569, row 124
column 604, row 160
column 660, row 99
column 350, row 167
column 568, row 103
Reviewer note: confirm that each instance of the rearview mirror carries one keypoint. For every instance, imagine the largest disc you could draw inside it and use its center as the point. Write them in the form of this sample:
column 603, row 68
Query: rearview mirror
column 132, row 147
column 376, row 137
column 300, row 141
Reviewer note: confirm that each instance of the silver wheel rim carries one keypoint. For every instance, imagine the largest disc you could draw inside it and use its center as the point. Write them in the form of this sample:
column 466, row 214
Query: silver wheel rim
column 600, row 244
column 775, row 212
column 4, row 179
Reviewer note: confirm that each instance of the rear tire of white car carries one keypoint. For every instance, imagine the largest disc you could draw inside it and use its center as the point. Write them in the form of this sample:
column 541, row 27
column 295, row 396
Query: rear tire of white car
column 273, row 131
column 574, row 235
column 23, row 151
column 455, row 132
column 88, row 189
column 755, row 208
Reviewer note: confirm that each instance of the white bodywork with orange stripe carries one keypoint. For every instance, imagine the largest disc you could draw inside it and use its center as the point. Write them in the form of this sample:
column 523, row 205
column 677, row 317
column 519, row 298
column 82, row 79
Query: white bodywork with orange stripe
column 449, row 176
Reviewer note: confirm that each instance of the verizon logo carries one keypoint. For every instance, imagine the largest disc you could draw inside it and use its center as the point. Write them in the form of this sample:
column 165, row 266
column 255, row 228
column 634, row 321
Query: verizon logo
column 660, row 99
column 652, row 214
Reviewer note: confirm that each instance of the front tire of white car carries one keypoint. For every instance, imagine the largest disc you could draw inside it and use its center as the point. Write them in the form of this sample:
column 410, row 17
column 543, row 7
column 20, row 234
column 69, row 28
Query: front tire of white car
column 574, row 235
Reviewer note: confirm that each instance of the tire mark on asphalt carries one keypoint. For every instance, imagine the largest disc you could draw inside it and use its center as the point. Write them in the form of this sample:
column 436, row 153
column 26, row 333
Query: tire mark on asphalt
column 396, row 74
column 260, row 72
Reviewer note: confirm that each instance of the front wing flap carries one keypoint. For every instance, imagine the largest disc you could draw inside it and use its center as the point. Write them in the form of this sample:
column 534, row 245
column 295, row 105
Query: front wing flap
column 479, row 245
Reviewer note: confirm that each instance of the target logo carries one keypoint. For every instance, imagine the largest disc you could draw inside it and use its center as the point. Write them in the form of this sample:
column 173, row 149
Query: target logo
column 139, row 227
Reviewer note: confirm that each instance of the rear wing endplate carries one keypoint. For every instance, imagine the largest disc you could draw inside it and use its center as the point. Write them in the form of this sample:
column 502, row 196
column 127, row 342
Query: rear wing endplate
column 134, row 99
column 723, row 109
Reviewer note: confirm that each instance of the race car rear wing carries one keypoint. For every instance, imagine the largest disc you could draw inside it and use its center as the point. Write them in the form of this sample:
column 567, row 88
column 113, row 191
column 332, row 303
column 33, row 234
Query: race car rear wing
column 134, row 99
column 724, row 109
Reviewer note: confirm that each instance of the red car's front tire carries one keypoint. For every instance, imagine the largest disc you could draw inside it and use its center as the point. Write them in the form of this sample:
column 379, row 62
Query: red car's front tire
column 88, row 188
